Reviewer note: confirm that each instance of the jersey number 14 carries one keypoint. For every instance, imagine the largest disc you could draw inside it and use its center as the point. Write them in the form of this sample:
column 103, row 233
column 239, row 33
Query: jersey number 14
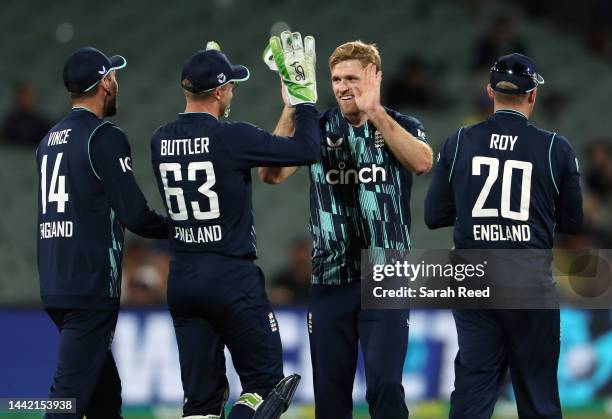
column 57, row 188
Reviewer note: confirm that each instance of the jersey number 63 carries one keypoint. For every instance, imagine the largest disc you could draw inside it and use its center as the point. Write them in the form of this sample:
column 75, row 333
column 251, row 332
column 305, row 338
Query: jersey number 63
column 177, row 192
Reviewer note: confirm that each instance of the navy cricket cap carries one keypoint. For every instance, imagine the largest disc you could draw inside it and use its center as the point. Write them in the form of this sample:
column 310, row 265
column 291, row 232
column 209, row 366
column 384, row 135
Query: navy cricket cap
column 208, row 69
column 87, row 66
column 517, row 69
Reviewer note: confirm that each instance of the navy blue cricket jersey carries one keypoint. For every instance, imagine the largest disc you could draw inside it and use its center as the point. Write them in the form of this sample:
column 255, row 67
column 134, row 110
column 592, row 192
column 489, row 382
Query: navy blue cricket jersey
column 359, row 196
column 87, row 194
column 203, row 170
column 504, row 183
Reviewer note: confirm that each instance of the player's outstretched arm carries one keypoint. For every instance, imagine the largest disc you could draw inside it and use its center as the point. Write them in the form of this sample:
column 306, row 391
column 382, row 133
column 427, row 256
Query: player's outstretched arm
column 276, row 175
column 440, row 202
column 413, row 154
column 286, row 128
column 253, row 147
column 295, row 63
column 111, row 160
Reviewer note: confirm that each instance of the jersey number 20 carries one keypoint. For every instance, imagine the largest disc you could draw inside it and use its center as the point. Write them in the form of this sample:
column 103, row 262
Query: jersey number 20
column 177, row 192
column 509, row 167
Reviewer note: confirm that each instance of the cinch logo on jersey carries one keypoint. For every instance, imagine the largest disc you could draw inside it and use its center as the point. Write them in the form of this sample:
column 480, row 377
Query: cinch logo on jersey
column 369, row 174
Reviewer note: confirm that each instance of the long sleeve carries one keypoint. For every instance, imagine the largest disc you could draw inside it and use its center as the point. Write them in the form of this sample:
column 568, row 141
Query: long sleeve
column 253, row 147
column 440, row 202
column 412, row 125
column 566, row 176
column 111, row 158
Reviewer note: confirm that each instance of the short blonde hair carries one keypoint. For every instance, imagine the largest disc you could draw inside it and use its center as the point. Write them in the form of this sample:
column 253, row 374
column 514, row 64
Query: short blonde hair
column 507, row 85
column 509, row 98
column 356, row 50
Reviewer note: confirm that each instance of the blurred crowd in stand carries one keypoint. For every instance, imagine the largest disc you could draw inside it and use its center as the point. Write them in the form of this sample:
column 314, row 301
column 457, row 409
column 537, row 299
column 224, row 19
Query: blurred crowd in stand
column 23, row 125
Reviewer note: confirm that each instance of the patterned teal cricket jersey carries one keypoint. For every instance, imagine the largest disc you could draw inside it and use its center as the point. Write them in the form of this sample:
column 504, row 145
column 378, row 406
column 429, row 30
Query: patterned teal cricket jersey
column 359, row 197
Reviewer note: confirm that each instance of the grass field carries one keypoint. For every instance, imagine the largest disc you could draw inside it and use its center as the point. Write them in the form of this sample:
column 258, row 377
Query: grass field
column 432, row 410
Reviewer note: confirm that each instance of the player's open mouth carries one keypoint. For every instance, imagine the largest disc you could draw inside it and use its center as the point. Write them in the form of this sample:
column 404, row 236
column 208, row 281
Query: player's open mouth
column 346, row 97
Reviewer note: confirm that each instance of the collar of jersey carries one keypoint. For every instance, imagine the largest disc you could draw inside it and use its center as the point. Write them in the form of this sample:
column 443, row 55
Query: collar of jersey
column 351, row 125
column 194, row 114
column 82, row 108
column 511, row 112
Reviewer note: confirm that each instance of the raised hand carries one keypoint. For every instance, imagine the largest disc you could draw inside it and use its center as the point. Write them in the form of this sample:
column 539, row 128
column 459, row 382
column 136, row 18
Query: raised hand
column 367, row 93
column 295, row 61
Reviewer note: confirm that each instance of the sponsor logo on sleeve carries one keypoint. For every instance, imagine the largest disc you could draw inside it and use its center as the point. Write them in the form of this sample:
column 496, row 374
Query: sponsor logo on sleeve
column 126, row 164
column 421, row 134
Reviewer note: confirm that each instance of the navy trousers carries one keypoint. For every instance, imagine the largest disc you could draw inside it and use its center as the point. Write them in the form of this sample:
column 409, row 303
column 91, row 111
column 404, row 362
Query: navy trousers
column 86, row 368
column 217, row 301
column 336, row 325
column 492, row 341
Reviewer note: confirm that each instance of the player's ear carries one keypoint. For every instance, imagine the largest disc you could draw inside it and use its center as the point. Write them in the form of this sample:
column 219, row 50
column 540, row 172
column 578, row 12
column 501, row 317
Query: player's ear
column 532, row 95
column 490, row 92
column 106, row 83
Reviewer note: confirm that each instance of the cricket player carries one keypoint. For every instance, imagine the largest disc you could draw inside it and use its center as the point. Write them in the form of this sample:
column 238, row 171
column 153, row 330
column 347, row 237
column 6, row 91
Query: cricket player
column 359, row 199
column 216, row 293
column 87, row 195
column 506, row 184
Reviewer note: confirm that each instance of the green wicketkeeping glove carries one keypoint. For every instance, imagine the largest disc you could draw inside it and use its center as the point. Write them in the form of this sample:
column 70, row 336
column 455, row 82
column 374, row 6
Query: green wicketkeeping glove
column 295, row 63
column 213, row 45
column 268, row 58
